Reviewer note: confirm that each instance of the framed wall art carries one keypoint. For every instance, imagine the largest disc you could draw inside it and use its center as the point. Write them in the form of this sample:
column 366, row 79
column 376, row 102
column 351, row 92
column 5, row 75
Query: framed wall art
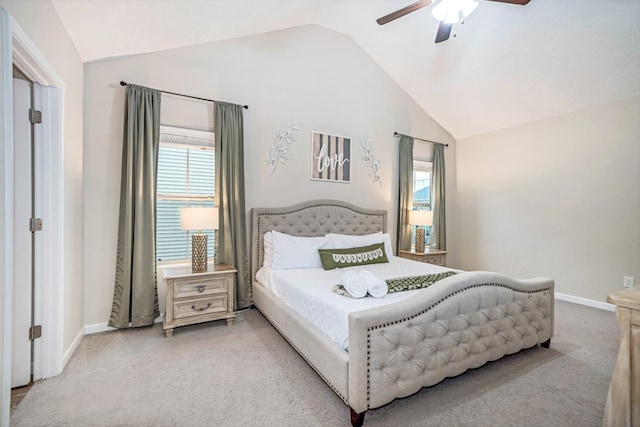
column 330, row 157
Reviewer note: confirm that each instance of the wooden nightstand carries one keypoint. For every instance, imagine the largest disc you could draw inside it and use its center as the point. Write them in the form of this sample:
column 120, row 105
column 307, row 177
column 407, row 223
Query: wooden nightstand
column 433, row 256
column 198, row 297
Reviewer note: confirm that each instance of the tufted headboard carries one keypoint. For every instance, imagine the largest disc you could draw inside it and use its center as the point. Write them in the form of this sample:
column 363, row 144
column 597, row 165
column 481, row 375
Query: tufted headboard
column 312, row 218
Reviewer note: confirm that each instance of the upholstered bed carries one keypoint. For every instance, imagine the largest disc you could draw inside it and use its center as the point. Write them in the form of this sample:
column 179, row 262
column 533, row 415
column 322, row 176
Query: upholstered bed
column 458, row 323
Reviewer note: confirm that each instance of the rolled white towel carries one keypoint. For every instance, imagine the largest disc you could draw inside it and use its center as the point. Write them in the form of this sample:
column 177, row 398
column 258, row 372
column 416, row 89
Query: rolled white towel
column 355, row 284
column 376, row 287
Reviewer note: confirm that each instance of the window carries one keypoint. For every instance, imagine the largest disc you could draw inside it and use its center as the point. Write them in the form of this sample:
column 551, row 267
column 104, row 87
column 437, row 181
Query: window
column 421, row 191
column 186, row 177
column 422, row 185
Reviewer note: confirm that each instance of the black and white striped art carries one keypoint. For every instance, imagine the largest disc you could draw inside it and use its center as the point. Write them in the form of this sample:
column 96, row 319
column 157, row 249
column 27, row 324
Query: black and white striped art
column 330, row 157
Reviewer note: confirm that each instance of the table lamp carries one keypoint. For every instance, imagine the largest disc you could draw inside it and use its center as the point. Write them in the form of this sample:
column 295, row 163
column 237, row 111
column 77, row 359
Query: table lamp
column 419, row 219
column 199, row 218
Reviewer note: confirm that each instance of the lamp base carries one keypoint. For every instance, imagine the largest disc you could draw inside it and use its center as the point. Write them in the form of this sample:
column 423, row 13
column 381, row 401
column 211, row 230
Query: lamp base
column 199, row 253
column 420, row 240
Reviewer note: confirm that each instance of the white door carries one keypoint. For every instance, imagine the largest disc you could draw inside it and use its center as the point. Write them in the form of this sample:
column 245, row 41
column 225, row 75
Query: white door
column 22, row 247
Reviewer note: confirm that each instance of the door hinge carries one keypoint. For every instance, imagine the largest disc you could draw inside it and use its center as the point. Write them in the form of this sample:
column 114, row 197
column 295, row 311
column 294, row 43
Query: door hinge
column 35, row 332
column 35, row 116
column 35, row 224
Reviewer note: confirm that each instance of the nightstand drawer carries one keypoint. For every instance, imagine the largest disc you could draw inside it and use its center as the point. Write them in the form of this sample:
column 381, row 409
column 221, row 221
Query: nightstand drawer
column 196, row 287
column 199, row 306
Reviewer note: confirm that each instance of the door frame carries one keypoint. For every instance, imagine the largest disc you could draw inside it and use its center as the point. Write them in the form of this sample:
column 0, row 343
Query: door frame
column 17, row 48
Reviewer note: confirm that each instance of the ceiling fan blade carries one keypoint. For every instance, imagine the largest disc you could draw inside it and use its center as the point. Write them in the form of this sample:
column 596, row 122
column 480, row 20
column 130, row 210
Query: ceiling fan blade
column 401, row 12
column 520, row 2
column 444, row 31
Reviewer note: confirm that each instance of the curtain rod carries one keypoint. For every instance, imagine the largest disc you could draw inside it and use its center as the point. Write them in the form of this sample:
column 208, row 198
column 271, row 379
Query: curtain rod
column 123, row 83
column 420, row 139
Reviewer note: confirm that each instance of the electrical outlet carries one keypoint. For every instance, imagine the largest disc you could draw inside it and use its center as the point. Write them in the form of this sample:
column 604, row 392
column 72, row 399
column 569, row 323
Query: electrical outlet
column 628, row 282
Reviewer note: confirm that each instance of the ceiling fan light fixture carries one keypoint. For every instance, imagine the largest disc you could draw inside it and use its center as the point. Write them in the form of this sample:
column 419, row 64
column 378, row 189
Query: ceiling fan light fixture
column 453, row 11
column 453, row 17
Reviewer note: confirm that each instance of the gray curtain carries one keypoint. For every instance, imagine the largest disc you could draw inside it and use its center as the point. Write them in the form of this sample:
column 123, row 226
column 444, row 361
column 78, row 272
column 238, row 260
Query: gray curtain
column 232, row 234
column 135, row 294
column 439, row 230
column 405, row 200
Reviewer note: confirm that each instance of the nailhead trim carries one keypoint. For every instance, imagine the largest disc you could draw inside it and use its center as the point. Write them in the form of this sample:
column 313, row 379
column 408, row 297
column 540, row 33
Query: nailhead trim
column 344, row 399
column 374, row 222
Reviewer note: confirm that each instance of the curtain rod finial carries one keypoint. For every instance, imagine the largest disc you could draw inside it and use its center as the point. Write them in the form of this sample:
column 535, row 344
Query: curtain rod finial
column 122, row 83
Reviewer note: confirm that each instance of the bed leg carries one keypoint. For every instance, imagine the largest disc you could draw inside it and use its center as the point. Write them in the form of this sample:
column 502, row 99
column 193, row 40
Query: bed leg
column 546, row 344
column 356, row 419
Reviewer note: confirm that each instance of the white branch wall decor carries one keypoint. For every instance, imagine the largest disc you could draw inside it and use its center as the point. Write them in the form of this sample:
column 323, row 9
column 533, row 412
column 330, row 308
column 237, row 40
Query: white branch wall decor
column 374, row 165
column 278, row 152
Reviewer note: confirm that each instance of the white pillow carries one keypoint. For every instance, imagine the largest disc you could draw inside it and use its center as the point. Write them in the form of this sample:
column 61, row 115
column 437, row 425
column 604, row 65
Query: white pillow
column 296, row 252
column 267, row 259
column 346, row 241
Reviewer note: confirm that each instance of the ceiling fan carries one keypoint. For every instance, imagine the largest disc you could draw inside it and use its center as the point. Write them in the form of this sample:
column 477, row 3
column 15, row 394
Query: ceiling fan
column 448, row 12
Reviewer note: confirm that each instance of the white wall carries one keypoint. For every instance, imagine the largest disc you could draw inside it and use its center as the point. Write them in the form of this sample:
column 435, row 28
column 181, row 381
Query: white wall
column 319, row 79
column 42, row 26
column 41, row 23
column 556, row 198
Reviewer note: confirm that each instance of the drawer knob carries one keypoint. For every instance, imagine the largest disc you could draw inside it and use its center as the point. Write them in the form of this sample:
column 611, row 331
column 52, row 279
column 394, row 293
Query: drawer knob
column 193, row 307
column 201, row 288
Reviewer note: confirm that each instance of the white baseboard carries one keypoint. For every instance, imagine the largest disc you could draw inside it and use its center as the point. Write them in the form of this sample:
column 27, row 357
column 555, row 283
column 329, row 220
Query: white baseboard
column 74, row 346
column 104, row 327
column 97, row 328
column 585, row 301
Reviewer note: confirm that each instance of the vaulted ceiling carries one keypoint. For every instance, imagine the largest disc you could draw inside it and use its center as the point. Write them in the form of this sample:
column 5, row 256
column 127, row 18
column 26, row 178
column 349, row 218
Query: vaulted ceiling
column 508, row 64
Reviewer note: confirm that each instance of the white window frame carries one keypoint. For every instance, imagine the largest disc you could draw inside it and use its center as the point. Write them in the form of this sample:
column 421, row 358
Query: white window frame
column 171, row 136
column 421, row 166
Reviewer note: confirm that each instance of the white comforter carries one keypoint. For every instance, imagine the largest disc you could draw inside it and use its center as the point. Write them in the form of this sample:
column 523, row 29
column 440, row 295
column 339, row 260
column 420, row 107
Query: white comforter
column 308, row 291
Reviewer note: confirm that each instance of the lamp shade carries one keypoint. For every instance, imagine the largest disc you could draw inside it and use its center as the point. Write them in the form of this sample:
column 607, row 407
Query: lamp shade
column 421, row 217
column 199, row 218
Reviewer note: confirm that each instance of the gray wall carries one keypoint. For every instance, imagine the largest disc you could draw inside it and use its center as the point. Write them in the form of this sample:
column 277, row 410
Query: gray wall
column 558, row 197
column 319, row 79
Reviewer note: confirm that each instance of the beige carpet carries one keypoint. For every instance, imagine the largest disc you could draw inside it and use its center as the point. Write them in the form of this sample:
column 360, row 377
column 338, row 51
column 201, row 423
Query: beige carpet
column 247, row 375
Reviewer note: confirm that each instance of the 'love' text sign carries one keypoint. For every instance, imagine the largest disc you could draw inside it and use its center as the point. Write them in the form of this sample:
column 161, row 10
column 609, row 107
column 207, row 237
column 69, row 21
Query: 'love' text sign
column 330, row 157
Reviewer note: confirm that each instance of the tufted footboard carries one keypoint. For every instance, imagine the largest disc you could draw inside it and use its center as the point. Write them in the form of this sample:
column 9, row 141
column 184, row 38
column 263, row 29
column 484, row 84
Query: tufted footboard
column 457, row 324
